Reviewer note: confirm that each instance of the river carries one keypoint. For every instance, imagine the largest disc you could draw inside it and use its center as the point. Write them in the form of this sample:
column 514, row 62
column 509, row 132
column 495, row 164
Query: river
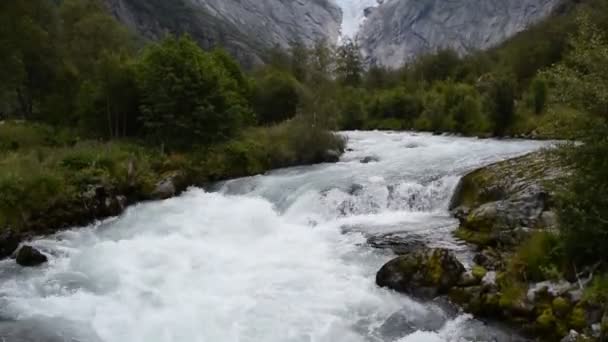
column 275, row 258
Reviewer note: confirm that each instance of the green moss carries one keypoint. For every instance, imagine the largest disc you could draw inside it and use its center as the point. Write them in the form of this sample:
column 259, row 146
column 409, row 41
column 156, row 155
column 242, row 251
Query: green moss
column 561, row 306
column 546, row 321
column 511, row 295
column 479, row 272
column 577, row 318
column 475, row 237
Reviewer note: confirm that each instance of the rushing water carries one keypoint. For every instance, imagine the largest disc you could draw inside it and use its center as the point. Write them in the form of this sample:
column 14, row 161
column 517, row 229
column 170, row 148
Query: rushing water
column 281, row 257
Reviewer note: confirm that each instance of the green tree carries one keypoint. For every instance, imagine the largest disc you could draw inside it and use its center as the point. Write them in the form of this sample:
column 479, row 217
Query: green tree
column 276, row 97
column 186, row 96
column 581, row 81
column 501, row 97
column 540, row 95
column 349, row 64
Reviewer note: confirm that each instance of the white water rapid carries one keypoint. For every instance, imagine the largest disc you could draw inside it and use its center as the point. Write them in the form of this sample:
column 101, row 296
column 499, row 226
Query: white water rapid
column 282, row 257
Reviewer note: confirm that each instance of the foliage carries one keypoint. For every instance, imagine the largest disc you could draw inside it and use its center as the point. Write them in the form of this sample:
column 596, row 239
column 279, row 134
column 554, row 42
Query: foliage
column 187, row 97
column 583, row 206
column 276, row 97
column 536, row 258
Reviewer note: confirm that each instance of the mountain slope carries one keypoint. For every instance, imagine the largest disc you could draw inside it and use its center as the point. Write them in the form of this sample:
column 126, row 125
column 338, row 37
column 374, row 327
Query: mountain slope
column 246, row 28
column 394, row 31
column 398, row 30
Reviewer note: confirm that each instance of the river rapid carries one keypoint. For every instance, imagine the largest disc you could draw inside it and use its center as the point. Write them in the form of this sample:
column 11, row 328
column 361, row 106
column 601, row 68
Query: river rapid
column 280, row 257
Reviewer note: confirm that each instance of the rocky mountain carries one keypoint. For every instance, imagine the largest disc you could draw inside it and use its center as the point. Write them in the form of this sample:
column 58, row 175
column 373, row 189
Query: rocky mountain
column 388, row 31
column 398, row 30
column 246, row 28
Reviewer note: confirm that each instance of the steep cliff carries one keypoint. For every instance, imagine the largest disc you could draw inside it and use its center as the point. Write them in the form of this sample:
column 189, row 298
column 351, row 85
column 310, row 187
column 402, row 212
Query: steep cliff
column 244, row 27
column 398, row 30
column 388, row 31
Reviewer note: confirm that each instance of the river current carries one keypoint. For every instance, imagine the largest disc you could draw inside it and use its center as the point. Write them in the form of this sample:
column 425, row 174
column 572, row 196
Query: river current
column 279, row 257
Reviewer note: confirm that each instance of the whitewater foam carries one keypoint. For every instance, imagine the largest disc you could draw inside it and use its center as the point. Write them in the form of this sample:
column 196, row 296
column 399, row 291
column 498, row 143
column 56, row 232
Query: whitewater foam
column 280, row 257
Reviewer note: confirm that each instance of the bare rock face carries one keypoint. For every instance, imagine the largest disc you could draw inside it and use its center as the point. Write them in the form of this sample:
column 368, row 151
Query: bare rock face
column 399, row 30
column 246, row 28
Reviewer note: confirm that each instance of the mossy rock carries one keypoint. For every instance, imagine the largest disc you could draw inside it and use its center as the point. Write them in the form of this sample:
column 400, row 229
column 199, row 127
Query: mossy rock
column 546, row 321
column 475, row 237
column 577, row 319
column 479, row 272
column 561, row 307
column 423, row 273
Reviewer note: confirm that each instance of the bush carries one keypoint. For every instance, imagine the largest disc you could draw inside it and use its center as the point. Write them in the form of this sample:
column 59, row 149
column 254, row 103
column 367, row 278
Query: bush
column 536, row 258
column 276, row 97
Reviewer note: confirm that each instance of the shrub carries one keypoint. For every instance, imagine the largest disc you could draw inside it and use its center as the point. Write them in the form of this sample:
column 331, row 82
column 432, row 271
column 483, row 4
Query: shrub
column 535, row 259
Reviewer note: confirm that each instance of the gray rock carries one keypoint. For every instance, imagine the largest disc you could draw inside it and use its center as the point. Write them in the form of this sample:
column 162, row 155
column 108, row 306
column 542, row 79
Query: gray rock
column 246, row 28
column 28, row 256
column 573, row 336
column 332, row 156
column 397, row 31
column 165, row 188
column 370, row 159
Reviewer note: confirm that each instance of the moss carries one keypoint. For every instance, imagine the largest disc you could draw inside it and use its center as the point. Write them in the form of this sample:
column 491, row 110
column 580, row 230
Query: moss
column 512, row 294
column 561, row 306
column 577, row 318
column 475, row 237
column 479, row 272
column 546, row 321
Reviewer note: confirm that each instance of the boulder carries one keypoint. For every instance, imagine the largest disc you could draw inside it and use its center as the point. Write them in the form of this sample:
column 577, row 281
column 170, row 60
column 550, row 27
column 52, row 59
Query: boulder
column 164, row 189
column 28, row 256
column 370, row 159
column 9, row 242
column 424, row 273
column 331, row 156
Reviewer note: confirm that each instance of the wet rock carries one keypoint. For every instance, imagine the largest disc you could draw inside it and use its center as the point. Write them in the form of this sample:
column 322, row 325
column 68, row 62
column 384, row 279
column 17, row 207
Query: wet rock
column 165, row 188
column 370, row 159
column 331, row 156
column 468, row 279
column 9, row 242
column 405, row 322
column 573, row 336
column 424, row 273
column 28, row 256
column 489, row 259
column 399, row 244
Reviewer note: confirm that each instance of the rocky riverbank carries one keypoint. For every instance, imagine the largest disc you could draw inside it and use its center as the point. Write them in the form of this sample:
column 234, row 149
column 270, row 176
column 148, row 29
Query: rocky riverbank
column 506, row 214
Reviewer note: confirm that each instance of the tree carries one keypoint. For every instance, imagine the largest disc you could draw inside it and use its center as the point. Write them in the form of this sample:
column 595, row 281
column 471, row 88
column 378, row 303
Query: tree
column 501, row 98
column 349, row 64
column 300, row 59
column 276, row 97
column 581, row 81
column 539, row 95
column 186, row 96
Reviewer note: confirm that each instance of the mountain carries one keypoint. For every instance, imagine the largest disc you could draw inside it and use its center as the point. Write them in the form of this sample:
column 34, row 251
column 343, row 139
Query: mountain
column 388, row 31
column 398, row 30
column 246, row 28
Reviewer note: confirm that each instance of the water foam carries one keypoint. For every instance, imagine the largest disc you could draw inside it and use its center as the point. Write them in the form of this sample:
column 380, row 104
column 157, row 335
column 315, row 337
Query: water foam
column 266, row 258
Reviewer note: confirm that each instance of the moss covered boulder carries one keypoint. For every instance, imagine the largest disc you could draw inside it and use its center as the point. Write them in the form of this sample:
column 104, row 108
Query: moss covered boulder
column 424, row 273
column 500, row 204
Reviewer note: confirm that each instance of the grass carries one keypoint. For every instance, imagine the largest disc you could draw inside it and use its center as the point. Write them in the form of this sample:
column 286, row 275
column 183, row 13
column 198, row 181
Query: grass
column 42, row 168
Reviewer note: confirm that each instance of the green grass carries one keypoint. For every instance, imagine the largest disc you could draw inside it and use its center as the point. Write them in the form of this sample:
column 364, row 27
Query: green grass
column 41, row 169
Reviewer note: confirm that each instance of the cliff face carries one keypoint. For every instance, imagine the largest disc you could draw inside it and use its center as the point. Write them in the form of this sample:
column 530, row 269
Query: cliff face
column 246, row 28
column 394, row 31
column 398, row 30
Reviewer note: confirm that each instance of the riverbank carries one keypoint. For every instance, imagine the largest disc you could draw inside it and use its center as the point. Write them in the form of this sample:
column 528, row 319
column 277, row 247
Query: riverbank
column 507, row 215
column 50, row 179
